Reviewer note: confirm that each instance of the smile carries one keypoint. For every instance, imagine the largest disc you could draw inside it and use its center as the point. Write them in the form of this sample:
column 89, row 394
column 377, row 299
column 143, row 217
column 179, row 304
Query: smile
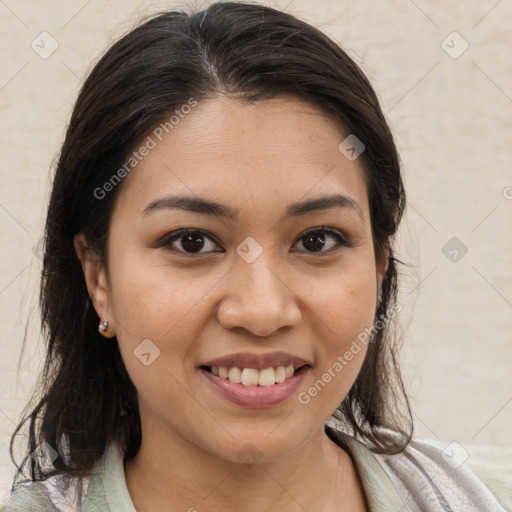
column 253, row 377
column 252, row 388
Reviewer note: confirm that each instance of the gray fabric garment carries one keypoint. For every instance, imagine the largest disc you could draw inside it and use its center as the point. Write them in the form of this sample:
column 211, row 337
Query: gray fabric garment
column 428, row 471
column 420, row 479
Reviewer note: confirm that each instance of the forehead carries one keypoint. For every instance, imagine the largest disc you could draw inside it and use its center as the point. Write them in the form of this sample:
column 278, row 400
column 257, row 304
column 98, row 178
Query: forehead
column 279, row 150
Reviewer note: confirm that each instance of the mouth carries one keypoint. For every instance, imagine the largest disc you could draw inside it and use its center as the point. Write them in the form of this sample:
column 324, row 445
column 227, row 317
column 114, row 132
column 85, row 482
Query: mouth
column 265, row 377
column 253, row 388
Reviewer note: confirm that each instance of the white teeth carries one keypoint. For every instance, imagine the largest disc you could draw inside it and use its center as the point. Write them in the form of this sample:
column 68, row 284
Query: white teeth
column 235, row 375
column 267, row 377
column 280, row 374
column 253, row 377
column 250, row 377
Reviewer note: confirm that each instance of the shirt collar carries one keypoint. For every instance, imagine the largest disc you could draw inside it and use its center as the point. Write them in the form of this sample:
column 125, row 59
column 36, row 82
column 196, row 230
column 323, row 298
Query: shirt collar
column 379, row 490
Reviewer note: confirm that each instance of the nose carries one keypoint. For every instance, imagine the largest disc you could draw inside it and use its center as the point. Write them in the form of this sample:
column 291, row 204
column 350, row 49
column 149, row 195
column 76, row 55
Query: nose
column 258, row 299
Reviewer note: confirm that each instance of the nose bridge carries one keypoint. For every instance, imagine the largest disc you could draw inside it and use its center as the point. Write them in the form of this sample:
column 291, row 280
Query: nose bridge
column 254, row 259
column 259, row 285
column 260, row 282
column 258, row 298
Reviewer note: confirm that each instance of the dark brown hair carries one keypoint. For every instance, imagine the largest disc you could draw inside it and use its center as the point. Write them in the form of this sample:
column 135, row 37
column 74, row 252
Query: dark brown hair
column 249, row 52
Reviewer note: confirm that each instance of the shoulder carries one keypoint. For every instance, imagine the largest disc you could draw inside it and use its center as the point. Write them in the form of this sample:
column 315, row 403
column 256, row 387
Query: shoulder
column 433, row 476
column 104, row 489
column 48, row 495
column 492, row 465
column 449, row 473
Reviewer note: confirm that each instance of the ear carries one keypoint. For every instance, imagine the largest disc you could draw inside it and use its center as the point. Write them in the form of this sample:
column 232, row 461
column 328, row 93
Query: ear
column 96, row 281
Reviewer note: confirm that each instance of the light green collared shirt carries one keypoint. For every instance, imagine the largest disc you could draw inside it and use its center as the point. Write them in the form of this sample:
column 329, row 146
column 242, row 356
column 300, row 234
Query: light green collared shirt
column 425, row 477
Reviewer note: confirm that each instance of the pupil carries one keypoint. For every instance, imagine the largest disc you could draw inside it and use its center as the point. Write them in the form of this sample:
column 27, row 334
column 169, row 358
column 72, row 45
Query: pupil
column 316, row 246
column 192, row 243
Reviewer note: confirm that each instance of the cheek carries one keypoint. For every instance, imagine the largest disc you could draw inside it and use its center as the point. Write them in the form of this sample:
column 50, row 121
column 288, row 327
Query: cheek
column 344, row 301
column 147, row 297
column 343, row 311
column 158, row 303
column 157, row 312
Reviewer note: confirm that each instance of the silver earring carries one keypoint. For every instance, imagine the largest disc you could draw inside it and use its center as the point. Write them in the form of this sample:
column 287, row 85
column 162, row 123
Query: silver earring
column 379, row 295
column 103, row 326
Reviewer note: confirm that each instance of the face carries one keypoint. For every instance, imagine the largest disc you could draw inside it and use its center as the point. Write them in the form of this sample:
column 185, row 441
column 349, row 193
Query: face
column 265, row 286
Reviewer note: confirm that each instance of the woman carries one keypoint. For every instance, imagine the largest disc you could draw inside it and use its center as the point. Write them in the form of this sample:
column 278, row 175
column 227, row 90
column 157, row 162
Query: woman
column 219, row 285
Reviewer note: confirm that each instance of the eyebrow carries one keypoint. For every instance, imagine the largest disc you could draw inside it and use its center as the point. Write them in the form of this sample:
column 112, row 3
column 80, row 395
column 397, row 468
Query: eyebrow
column 201, row 205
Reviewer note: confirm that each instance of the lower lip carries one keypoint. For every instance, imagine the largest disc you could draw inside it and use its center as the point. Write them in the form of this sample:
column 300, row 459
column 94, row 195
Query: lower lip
column 256, row 397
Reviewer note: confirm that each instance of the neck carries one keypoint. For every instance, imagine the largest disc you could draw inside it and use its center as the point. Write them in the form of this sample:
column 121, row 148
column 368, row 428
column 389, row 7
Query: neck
column 171, row 474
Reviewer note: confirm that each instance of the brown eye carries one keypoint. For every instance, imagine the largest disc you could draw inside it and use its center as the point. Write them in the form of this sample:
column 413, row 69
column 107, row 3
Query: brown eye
column 196, row 241
column 315, row 240
column 189, row 241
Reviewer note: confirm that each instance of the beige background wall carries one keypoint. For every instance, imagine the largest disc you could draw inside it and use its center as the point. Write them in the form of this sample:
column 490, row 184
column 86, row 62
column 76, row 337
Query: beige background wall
column 452, row 118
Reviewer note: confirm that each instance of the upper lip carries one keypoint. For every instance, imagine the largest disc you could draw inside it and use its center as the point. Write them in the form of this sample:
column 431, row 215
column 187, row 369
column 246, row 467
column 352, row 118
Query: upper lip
column 257, row 361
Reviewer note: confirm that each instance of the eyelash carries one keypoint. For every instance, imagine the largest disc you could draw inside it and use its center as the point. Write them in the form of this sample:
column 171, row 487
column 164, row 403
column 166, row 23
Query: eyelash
column 176, row 235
